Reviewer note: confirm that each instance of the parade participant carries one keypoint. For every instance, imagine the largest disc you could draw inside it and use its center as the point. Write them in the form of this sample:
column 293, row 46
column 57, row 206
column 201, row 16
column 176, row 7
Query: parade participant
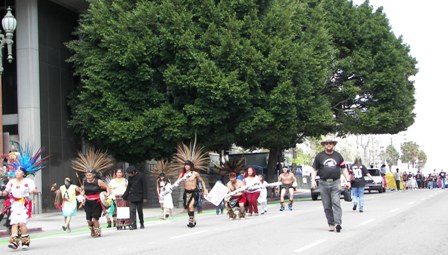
column 288, row 180
column 236, row 200
column 252, row 194
column 397, row 179
column 220, row 207
column 191, row 193
column 263, row 198
column 117, row 187
column 161, row 183
column 327, row 165
column 69, row 203
column 20, row 190
column 168, row 203
column 358, row 183
column 137, row 194
column 92, row 163
column 91, row 189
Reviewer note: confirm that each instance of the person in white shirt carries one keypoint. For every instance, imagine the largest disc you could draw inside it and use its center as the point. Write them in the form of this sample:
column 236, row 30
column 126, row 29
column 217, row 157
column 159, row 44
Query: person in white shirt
column 168, row 202
column 117, row 187
column 263, row 198
column 252, row 194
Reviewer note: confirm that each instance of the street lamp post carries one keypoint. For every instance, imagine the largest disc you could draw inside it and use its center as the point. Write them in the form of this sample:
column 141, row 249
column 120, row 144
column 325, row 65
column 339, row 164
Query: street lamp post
column 9, row 24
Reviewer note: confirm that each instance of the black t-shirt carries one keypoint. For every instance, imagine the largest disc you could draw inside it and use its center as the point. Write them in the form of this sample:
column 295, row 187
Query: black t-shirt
column 358, row 172
column 329, row 166
column 442, row 175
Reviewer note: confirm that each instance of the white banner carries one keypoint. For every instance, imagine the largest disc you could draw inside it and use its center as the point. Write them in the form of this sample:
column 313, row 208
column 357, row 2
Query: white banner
column 217, row 194
column 176, row 184
column 123, row 213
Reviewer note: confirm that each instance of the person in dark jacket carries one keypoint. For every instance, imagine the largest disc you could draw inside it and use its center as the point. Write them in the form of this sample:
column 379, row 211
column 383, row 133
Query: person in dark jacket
column 137, row 194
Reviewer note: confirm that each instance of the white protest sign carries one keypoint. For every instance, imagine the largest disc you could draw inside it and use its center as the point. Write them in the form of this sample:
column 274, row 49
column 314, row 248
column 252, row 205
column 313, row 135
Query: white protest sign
column 217, row 194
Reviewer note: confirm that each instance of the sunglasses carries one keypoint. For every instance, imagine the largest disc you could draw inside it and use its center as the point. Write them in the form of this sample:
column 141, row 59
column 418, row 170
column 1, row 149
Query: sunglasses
column 327, row 143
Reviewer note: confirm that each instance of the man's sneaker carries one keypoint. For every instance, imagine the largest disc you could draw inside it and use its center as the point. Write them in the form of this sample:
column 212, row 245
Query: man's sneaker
column 142, row 226
column 282, row 208
column 290, row 207
column 354, row 207
column 331, row 228
column 338, row 228
column 361, row 210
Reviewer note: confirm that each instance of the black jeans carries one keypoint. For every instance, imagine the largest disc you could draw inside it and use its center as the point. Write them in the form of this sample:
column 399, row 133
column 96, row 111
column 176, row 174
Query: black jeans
column 136, row 206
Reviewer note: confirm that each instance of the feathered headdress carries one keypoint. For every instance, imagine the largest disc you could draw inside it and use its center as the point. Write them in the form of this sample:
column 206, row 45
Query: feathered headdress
column 193, row 154
column 28, row 161
column 92, row 160
column 163, row 166
column 233, row 165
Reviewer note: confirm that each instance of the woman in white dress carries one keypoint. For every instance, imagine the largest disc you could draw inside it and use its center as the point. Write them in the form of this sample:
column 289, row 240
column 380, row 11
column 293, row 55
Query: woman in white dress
column 168, row 202
column 20, row 190
column 117, row 187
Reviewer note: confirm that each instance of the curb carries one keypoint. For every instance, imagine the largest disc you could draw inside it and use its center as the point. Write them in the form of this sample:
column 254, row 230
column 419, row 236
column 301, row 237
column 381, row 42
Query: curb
column 4, row 233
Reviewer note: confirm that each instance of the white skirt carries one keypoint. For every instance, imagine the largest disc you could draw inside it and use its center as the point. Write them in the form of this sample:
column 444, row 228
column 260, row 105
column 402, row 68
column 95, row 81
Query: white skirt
column 168, row 202
column 19, row 213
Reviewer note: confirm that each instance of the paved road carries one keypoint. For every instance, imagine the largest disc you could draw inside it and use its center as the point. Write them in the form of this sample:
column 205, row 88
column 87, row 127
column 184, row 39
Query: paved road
column 405, row 222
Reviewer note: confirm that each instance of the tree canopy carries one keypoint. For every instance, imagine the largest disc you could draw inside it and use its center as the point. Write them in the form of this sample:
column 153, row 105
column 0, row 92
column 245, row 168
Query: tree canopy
column 258, row 73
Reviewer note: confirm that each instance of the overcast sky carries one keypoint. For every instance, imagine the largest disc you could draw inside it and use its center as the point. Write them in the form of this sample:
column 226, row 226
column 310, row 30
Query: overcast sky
column 423, row 25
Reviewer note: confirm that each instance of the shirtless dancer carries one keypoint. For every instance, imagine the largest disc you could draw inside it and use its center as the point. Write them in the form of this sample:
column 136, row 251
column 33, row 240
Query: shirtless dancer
column 191, row 193
column 287, row 179
column 239, row 198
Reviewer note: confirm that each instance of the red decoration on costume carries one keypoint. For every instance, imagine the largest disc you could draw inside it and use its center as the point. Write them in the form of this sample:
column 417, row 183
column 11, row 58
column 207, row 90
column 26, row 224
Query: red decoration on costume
column 29, row 206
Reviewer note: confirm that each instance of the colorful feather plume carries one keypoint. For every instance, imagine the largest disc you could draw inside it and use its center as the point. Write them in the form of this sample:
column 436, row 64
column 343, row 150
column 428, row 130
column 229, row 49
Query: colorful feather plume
column 234, row 165
column 163, row 166
column 194, row 153
column 29, row 161
column 92, row 159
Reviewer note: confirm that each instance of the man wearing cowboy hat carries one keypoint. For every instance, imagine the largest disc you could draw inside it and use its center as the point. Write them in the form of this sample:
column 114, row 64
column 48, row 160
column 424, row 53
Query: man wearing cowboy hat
column 327, row 165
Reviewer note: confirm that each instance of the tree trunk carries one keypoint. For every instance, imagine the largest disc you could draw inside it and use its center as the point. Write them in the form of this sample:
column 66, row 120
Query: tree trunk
column 274, row 157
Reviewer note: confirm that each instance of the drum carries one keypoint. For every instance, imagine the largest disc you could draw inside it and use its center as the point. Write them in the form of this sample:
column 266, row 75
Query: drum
column 106, row 201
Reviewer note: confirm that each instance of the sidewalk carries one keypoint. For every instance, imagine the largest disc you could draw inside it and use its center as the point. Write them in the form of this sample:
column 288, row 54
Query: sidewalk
column 53, row 221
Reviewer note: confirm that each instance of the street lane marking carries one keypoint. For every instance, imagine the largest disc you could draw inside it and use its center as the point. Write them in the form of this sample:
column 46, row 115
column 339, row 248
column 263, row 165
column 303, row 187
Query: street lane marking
column 72, row 236
column 394, row 210
column 276, row 216
column 367, row 222
column 190, row 234
column 309, row 246
column 411, row 203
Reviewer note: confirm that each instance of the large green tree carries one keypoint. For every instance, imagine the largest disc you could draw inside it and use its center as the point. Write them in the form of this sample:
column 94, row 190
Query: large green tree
column 295, row 54
column 155, row 72
column 371, row 87
column 259, row 73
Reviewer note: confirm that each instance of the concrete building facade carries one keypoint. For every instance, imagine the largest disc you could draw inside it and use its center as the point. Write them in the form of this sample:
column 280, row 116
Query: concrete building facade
column 37, row 84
